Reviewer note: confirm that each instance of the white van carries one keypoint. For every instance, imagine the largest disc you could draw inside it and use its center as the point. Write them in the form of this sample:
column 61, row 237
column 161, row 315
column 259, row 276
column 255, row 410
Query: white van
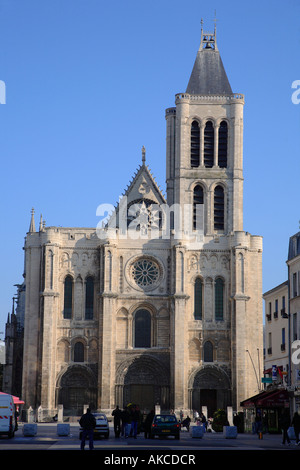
column 7, row 415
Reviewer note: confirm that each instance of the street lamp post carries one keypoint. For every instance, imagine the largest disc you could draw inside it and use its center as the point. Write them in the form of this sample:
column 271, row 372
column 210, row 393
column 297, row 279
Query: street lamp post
column 258, row 383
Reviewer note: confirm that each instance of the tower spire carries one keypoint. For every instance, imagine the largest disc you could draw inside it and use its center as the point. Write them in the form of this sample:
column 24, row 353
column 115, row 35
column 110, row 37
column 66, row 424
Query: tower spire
column 208, row 74
column 143, row 155
column 32, row 222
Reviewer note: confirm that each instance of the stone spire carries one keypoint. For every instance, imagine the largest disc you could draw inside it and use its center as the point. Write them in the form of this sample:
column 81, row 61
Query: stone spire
column 41, row 224
column 143, row 155
column 208, row 74
column 32, row 222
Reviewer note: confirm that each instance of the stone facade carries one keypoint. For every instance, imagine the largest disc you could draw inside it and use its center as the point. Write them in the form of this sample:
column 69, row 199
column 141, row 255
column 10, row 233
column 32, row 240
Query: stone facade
column 113, row 318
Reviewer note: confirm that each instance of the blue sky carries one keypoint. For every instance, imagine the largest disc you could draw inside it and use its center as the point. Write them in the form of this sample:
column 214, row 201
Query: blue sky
column 87, row 85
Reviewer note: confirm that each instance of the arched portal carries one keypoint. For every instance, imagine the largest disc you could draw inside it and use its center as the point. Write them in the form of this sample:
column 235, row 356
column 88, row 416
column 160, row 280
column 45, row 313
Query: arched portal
column 144, row 381
column 209, row 386
column 76, row 387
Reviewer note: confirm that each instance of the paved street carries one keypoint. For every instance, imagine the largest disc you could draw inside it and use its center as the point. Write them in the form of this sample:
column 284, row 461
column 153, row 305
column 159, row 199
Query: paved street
column 47, row 439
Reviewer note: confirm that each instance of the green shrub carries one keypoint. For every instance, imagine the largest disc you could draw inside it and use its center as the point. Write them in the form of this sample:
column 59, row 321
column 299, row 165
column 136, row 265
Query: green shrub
column 219, row 420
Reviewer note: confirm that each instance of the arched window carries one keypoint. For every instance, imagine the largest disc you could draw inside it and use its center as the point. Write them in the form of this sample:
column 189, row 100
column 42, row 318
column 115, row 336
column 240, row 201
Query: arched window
column 209, row 145
column 219, row 299
column 79, row 352
column 208, row 355
column 198, row 216
column 68, row 297
column 89, row 298
column 219, row 208
column 142, row 329
column 195, row 144
column 222, row 146
column 198, row 295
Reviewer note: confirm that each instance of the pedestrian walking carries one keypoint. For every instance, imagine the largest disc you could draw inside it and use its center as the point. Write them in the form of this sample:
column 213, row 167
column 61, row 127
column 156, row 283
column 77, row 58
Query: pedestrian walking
column 135, row 418
column 148, row 424
column 126, row 422
column 117, row 414
column 253, row 423
column 296, row 424
column 88, row 424
column 284, row 423
column 203, row 420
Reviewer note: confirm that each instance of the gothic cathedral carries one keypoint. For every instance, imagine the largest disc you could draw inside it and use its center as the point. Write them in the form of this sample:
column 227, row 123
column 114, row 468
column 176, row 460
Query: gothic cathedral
column 162, row 304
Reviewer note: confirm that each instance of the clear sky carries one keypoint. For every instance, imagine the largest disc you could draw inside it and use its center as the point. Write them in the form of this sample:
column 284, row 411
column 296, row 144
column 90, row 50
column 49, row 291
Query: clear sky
column 87, row 85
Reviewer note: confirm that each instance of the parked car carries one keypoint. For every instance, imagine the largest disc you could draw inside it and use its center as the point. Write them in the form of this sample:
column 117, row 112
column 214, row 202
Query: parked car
column 165, row 425
column 102, row 427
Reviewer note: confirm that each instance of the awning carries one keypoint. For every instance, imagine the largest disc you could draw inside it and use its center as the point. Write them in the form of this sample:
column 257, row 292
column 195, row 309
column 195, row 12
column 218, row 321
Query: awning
column 17, row 400
column 267, row 399
column 276, row 399
column 251, row 402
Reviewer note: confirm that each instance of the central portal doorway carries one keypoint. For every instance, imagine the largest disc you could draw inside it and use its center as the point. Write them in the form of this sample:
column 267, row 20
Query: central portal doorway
column 142, row 395
column 144, row 381
column 208, row 398
column 209, row 387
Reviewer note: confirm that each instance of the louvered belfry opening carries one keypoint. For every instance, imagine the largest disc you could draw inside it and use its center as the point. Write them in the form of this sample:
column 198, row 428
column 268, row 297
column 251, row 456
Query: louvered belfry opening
column 197, row 199
column 195, row 144
column 209, row 145
column 219, row 208
column 222, row 148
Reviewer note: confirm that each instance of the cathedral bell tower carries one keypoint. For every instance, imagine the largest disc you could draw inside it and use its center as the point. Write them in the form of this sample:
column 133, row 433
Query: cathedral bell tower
column 205, row 143
column 217, row 309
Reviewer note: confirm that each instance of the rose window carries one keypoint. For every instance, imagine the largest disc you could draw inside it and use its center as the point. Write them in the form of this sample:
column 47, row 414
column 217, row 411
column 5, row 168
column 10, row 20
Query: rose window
column 145, row 272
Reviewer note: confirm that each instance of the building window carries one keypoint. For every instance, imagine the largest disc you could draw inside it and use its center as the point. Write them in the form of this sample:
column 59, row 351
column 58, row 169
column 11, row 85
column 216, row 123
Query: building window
column 145, row 272
column 209, row 145
column 276, row 309
column 283, row 304
column 198, row 201
column 270, row 343
column 78, row 352
column 68, row 297
column 219, row 208
column 222, row 145
column 195, row 144
column 208, row 355
column 89, row 298
column 295, row 335
column 198, row 295
column 282, row 339
column 142, row 329
column 295, row 285
column 219, row 299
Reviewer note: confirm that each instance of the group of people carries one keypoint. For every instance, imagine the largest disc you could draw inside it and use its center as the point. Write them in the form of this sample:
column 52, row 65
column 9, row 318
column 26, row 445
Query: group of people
column 260, row 425
column 126, row 421
column 285, row 422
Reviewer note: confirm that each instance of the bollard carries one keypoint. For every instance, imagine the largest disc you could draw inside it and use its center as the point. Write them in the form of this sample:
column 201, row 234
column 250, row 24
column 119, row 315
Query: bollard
column 63, row 429
column 30, row 429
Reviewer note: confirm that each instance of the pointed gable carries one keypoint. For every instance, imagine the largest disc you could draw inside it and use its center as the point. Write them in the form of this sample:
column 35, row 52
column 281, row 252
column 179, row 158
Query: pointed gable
column 142, row 189
column 144, row 186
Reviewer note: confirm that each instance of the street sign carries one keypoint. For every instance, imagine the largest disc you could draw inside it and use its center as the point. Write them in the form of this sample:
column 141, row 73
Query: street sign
column 266, row 380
